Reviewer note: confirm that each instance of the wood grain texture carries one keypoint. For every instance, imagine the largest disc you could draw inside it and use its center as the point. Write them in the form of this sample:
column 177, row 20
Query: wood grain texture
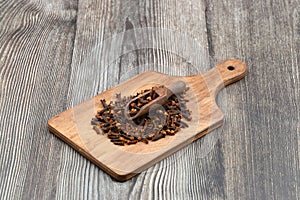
column 36, row 44
column 43, row 45
column 171, row 174
column 261, row 136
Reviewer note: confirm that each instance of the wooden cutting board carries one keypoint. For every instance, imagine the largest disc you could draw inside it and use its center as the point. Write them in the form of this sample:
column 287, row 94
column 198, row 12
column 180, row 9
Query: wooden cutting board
column 123, row 162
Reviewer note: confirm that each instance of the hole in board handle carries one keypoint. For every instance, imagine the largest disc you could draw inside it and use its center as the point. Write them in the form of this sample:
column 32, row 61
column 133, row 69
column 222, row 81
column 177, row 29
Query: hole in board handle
column 230, row 68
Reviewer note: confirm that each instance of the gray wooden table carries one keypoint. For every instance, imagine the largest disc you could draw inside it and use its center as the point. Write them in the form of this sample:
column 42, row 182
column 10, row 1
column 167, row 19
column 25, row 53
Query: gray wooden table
column 44, row 49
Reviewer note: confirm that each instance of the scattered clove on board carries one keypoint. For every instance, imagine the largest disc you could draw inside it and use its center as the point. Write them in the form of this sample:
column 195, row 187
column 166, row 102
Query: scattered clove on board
column 163, row 121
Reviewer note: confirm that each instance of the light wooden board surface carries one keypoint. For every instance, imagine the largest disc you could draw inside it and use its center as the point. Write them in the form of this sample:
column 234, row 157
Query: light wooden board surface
column 43, row 47
column 123, row 162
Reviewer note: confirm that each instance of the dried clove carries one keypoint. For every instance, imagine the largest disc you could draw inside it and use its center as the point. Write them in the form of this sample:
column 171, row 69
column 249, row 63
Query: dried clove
column 120, row 130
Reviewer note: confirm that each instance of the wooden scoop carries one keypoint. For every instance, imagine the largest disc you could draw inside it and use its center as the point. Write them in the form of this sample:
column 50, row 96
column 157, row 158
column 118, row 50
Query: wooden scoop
column 123, row 162
column 162, row 93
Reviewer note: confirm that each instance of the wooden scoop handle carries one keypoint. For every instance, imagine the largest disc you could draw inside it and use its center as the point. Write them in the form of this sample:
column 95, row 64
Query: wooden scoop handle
column 177, row 88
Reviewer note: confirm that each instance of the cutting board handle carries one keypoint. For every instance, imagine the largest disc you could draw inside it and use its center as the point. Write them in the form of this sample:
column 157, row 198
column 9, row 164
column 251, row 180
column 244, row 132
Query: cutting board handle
column 225, row 73
column 231, row 71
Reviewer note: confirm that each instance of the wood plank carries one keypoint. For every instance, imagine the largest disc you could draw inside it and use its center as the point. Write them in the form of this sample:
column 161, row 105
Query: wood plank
column 36, row 43
column 260, row 143
column 98, row 21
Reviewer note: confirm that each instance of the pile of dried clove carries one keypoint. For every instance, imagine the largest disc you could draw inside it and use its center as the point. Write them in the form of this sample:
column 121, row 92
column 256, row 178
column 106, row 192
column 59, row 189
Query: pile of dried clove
column 159, row 122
